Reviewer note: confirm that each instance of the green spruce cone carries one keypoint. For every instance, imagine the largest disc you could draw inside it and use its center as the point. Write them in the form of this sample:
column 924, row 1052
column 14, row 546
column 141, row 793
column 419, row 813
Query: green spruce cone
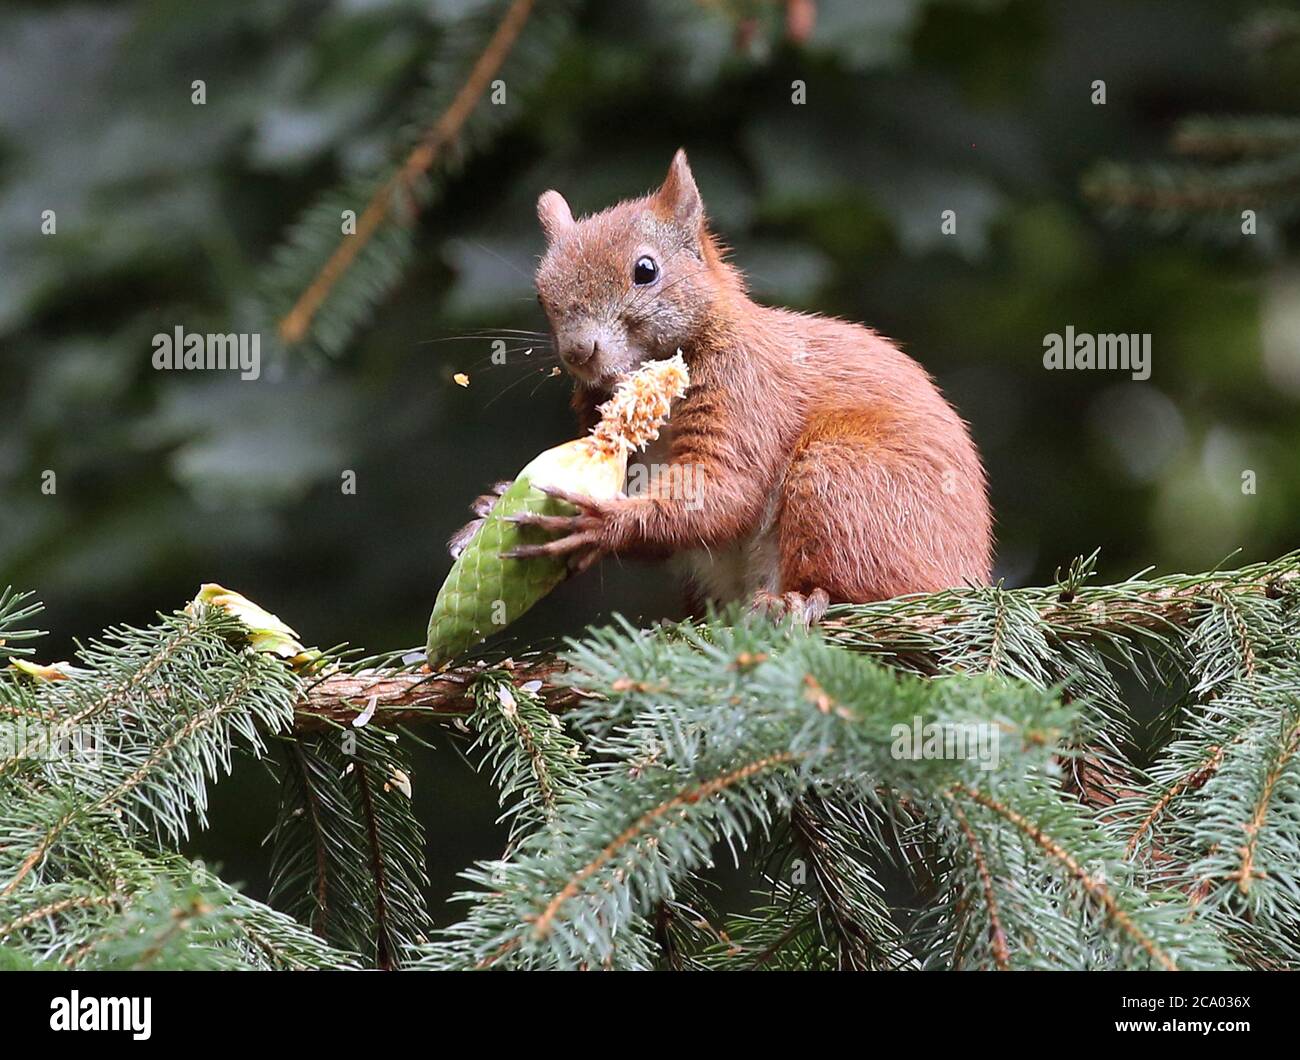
column 485, row 592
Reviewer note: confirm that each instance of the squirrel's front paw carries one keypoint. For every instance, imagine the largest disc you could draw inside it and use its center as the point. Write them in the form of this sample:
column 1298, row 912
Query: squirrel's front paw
column 481, row 506
column 582, row 538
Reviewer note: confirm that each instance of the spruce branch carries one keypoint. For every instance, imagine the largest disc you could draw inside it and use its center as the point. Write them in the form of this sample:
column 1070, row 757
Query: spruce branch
column 16, row 608
column 1171, row 192
column 404, row 696
column 1240, row 162
column 1233, row 137
column 1056, row 627
column 1215, row 819
column 1093, row 886
column 322, row 285
column 842, row 844
column 533, row 760
column 169, row 705
column 118, row 765
column 784, row 933
column 80, row 702
column 997, row 935
column 348, row 851
column 748, row 719
column 694, row 739
column 119, row 907
column 294, row 325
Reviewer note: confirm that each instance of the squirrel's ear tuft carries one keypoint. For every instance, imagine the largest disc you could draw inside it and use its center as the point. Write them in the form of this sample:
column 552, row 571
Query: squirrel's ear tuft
column 678, row 197
column 555, row 215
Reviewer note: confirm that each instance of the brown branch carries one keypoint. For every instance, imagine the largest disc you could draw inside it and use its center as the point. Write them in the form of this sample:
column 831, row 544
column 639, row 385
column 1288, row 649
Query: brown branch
column 1207, row 142
column 1198, row 192
column 997, row 937
column 1239, row 627
column 34, row 857
column 296, row 323
column 774, row 947
column 678, row 802
column 914, row 624
column 1247, row 871
column 532, row 748
column 909, row 626
column 25, row 714
column 320, row 915
column 1193, row 778
column 53, row 909
column 1093, row 887
column 384, row 957
column 996, row 651
column 403, row 697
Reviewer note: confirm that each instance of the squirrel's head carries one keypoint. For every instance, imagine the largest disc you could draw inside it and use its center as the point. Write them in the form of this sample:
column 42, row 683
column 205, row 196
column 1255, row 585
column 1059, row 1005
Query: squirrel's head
column 633, row 283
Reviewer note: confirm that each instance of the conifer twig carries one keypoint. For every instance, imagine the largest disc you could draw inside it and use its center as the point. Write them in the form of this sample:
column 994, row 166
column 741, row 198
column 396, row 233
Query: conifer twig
column 705, row 790
column 997, row 937
column 403, row 696
column 1192, row 778
column 913, row 626
column 1091, row 884
column 1286, row 751
column 295, row 324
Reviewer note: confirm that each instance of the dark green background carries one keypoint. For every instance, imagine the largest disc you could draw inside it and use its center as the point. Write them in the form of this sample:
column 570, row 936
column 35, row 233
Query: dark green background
column 167, row 212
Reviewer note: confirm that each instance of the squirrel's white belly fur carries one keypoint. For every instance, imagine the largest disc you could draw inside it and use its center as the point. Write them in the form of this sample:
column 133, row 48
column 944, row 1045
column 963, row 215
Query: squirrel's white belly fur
column 736, row 572
column 721, row 575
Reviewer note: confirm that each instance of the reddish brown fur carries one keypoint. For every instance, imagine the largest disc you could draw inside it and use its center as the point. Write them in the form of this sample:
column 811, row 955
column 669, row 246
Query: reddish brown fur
column 817, row 435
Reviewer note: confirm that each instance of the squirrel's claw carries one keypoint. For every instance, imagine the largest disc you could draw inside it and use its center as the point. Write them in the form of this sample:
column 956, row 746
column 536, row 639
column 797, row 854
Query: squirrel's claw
column 584, row 541
column 579, row 500
column 483, row 504
column 462, row 537
column 556, row 524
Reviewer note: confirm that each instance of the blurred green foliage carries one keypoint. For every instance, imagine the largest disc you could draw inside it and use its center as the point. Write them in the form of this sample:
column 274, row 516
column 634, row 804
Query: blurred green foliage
column 167, row 212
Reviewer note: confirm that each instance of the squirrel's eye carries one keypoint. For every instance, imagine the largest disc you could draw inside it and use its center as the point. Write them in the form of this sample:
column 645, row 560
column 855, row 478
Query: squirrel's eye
column 645, row 271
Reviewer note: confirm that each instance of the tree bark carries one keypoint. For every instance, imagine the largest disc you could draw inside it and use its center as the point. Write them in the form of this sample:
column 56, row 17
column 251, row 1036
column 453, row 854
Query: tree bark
column 405, row 697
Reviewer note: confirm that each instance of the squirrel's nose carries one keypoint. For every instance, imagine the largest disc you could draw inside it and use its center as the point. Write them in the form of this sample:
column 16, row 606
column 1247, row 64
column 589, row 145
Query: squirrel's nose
column 582, row 353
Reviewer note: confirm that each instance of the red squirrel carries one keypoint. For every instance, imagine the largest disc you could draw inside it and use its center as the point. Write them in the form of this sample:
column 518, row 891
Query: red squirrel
column 827, row 466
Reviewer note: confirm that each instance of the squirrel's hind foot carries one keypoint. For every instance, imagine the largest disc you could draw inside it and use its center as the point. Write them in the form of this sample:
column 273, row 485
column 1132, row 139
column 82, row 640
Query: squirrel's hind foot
column 805, row 610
